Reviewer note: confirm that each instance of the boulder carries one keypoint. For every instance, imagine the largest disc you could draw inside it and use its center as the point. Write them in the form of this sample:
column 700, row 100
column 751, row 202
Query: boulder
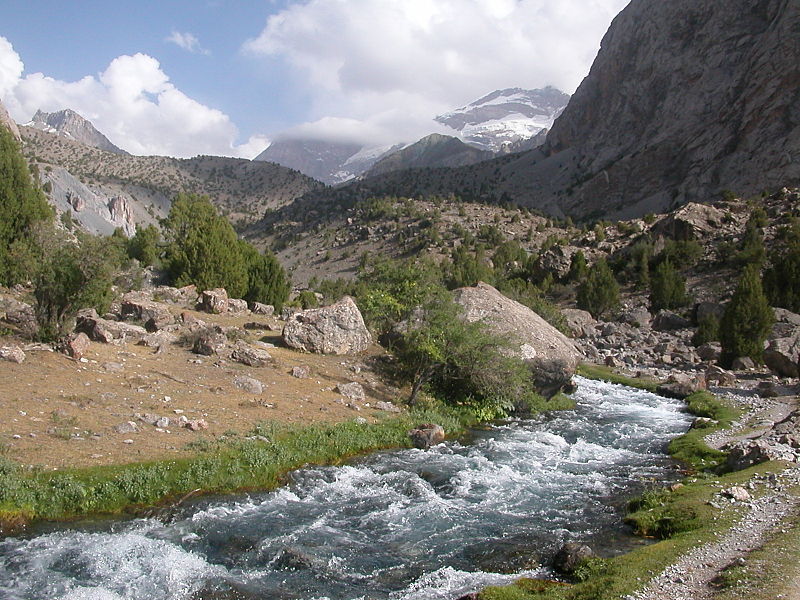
column 669, row 321
column 690, row 222
column 708, row 310
column 236, row 305
column 718, row 376
column 427, row 435
column 301, row 372
column 710, row 351
column 158, row 339
column 351, row 391
column 782, row 356
column 743, row 363
column 257, row 308
column 250, row 356
column 744, row 454
column 184, row 295
column 107, row 331
column 580, row 322
column 209, row 342
column 213, row 301
column 681, row 386
column 570, row 556
column 75, row 345
column 737, row 493
column 335, row 329
column 154, row 314
column 787, row 324
column 248, row 384
column 551, row 355
column 557, row 260
column 12, row 354
column 195, row 424
column 126, row 427
column 636, row 316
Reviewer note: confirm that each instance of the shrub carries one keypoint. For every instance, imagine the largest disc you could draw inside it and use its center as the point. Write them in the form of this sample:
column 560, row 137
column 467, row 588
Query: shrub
column 782, row 276
column 747, row 320
column 599, row 293
column 707, row 331
column 667, row 290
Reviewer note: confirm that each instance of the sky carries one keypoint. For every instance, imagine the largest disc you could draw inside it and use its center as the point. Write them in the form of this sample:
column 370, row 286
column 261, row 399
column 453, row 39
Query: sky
column 225, row 77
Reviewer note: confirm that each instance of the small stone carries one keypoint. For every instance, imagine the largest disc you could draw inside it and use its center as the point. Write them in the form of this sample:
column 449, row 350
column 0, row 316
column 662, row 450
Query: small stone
column 16, row 436
column 162, row 422
column 737, row 493
column 126, row 427
column 128, row 441
column 12, row 354
column 351, row 391
column 301, row 372
column 196, row 425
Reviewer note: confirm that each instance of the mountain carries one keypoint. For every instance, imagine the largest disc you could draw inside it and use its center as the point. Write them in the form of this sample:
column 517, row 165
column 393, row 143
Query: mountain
column 8, row 122
column 316, row 158
column 435, row 150
column 83, row 176
column 505, row 117
column 71, row 125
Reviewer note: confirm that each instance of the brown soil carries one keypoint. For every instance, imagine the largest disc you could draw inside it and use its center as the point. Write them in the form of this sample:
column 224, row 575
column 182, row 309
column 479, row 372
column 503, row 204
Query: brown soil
column 56, row 412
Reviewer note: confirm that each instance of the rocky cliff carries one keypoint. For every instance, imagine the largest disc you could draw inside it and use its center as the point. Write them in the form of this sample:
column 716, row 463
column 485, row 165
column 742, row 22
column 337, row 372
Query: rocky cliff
column 7, row 121
column 70, row 124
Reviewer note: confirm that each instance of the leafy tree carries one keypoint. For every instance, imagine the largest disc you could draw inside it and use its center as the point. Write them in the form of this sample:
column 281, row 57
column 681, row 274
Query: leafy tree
column 266, row 278
column 782, row 277
column 668, row 289
column 22, row 205
column 143, row 246
column 747, row 320
column 599, row 292
column 202, row 247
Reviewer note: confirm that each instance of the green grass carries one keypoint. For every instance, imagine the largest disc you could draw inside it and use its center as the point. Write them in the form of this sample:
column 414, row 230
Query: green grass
column 613, row 578
column 223, row 466
column 602, row 373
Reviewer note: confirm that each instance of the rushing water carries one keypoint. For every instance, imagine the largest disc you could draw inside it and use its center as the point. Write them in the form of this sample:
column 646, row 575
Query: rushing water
column 396, row 525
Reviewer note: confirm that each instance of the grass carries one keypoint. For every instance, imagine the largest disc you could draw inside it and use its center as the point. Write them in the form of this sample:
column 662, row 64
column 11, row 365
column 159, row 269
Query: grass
column 602, row 373
column 224, row 466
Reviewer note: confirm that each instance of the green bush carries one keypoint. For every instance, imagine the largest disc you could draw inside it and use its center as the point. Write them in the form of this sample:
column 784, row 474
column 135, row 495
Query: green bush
column 707, row 331
column 782, row 276
column 599, row 292
column 667, row 288
column 747, row 321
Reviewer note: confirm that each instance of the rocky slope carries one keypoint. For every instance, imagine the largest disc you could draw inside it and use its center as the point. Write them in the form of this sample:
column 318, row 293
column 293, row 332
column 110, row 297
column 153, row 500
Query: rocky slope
column 243, row 190
column 8, row 122
column 71, row 125
column 435, row 150
column 503, row 120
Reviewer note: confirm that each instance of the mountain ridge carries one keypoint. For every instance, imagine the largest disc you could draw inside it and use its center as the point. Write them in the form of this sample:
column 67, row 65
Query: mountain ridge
column 71, row 125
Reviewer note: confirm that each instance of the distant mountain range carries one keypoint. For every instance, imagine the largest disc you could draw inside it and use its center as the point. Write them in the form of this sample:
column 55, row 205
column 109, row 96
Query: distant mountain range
column 510, row 120
column 69, row 124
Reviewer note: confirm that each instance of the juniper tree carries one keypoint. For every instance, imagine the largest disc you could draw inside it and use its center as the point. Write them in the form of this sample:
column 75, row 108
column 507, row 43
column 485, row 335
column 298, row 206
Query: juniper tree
column 747, row 320
column 599, row 292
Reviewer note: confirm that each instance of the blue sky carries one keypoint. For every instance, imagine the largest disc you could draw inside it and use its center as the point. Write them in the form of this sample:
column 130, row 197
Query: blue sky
column 225, row 77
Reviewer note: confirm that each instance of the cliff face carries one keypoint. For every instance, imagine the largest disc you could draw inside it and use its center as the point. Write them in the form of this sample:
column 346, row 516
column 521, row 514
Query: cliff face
column 685, row 98
column 7, row 121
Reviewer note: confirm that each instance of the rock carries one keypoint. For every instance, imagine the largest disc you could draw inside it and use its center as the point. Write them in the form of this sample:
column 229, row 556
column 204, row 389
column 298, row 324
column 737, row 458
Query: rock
column 427, row 435
column 184, row 295
column 744, row 454
column 126, row 427
column 680, row 386
column 580, row 322
column 743, row 363
column 719, row 376
column 210, row 342
column 75, row 345
column 248, row 384
column 301, row 372
column 708, row 310
column 387, row 406
column 557, row 260
column 690, row 222
column 162, row 422
column 351, row 391
column 335, row 329
column 637, row 316
column 782, row 356
column 570, row 556
column 709, row 352
column 252, row 357
column 669, row 321
column 12, row 354
column 703, row 422
column 258, row 308
column 295, row 560
column 739, row 494
column 106, row 331
column 195, row 424
column 8, row 122
column 155, row 315
column 213, row 301
column 767, row 389
column 236, row 305
column 552, row 356
column 21, row 315
column 613, row 362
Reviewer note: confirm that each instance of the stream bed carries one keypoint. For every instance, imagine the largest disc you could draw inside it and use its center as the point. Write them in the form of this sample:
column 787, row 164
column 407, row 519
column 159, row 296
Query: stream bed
column 395, row 525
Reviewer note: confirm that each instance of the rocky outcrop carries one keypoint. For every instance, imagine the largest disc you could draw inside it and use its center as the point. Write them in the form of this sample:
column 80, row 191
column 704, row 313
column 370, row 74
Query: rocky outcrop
column 552, row 356
column 335, row 329
column 213, row 301
column 122, row 214
column 8, row 122
column 71, row 125
column 107, row 331
column 690, row 222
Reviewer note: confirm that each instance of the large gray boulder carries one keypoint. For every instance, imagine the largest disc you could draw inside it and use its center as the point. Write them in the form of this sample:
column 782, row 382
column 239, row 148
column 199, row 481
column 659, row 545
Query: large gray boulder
column 335, row 329
column 106, row 331
column 552, row 355
column 782, row 356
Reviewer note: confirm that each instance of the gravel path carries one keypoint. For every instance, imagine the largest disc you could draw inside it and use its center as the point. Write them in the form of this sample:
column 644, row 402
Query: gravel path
column 689, row 577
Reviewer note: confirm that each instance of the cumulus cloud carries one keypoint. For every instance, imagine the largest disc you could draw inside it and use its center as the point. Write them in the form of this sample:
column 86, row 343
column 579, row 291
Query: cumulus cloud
column 363, row 59
column 187, row 41
column 132, row 102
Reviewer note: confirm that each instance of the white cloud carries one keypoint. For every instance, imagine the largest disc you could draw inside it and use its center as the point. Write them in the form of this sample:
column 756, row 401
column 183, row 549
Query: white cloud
column 187, row 41
column 364, row 60
column 132, row 102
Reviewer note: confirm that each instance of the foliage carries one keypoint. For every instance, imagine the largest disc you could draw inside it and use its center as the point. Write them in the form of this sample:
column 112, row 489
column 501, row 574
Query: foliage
column 266, row 279
column 307, row 299
column 707, row 331
column 143, row 246
column 577, row 268
column 21, row 206
column 202, row 247
column 468, row 268
column 599, row 292
column 752, row 243
column 782, row 276
column 747, row 320
column 681, row 252
column 509, row 257
column 668, row 290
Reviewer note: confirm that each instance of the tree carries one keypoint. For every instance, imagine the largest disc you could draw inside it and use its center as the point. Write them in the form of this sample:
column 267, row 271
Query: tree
column 266, row 279
column 577, row 268
column 668, row 289
column 599, row 292
column 752, row 244
column 202, row 247
column 468, row 268
column 747, row 320
column 143, row 246
column 22, row 205
column 782, row 277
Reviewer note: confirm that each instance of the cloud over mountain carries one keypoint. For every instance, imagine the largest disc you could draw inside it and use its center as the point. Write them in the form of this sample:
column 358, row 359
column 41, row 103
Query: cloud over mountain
column 132, row 102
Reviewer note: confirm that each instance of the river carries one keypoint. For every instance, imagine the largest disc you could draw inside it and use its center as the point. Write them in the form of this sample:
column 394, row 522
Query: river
column 395, row 525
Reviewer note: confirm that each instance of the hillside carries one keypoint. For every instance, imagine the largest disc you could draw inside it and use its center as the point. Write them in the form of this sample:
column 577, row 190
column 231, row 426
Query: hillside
column 69, row 124
column 242, row 189
column 435, row 150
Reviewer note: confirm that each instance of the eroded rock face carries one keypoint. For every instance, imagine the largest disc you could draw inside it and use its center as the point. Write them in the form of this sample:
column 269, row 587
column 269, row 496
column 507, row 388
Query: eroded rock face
column 335, row 329
column 691, row 222
column 552, row 355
